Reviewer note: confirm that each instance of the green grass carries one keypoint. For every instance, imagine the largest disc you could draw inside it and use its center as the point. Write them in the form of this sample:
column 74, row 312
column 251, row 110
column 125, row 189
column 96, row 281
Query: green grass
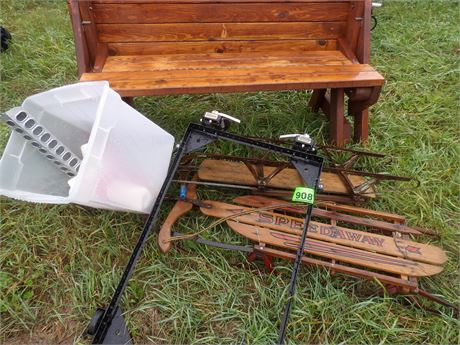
column 60, row 262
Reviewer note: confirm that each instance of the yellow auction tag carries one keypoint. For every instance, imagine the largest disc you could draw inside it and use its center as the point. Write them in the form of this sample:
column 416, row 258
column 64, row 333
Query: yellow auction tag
column 304, row 194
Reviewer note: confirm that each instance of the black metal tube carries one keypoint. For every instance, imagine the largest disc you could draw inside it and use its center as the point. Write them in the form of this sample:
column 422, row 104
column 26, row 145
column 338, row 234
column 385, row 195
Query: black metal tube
column 295, row 272
column 113, row 306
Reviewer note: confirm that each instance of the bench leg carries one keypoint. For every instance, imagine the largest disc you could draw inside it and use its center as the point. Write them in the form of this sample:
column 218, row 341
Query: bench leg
column 317, row 99
column 336, row 117
column 129, row 100
column 361, row 129
column 358, row 106
column 320, row 99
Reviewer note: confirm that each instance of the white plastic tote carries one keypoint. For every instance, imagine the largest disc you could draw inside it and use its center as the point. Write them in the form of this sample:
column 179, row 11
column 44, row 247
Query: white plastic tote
column 125, row 156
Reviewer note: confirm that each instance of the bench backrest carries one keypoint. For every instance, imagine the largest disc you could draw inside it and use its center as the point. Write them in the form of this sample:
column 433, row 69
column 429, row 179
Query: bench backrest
column 135, row 27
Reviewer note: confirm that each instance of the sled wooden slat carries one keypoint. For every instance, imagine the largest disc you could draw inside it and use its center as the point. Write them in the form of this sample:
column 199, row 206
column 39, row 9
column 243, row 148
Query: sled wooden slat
column 345, row 254
column 261, row 201
column 334, row 267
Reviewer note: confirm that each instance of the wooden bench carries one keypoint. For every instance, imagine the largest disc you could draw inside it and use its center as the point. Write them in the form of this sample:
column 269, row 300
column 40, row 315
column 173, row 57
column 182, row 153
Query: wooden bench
column 166, row 47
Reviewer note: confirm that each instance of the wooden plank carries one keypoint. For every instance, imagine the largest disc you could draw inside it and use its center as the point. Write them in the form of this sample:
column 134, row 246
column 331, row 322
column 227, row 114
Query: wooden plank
column 261, row 201
column 361, row 129
column 217, row 31
column 81, row 49
column 354, row 26
column 397, row 236
column 237, row 173
column 363, row 49
column 284, row 73
column 353, row 256
column 310, row 57
column 364, row 211
column 215, row 85
column 309, row 61
column 345, row 48
column 304, row 72
column 336, row 117
column 245, row 73
column 101, row 57
column 316, row 99
column 89, row 29
column 318, row 211
column 204, row 73
column 330, row 233
column 250, row 83
column 325, row 105
column 149, row 13
column 352, row 271
column 294, row 71
column 152, row 48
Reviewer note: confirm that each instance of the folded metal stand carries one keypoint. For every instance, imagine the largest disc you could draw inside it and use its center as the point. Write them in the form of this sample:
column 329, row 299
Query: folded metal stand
column 107, row 325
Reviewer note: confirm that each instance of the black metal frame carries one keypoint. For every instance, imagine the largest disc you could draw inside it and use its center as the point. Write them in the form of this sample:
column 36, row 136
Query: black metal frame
column 108, row 326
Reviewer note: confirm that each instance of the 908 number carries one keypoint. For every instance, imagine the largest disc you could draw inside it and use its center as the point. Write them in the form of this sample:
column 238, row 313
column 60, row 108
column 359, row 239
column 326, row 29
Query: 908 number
column 304, row 194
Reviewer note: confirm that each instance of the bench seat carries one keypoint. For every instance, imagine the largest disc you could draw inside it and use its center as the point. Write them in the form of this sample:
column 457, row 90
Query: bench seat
column 148, row 75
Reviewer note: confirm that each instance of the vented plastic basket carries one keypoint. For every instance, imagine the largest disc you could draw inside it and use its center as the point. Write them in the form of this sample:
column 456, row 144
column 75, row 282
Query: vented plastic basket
column 125, row 156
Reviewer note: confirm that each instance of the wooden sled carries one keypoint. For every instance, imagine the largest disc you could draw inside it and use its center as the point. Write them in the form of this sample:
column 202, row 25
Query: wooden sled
column 383, row 251
column 280, row 177
column 340, row 183
column 359, row 248
column 343, row 179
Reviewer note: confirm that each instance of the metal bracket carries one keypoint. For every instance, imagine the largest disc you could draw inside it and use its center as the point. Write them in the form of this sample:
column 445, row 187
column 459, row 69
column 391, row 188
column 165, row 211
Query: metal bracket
column 117, row 332
column 304, row 171
column 302, row 142
column 218, row 120
column 197, row 141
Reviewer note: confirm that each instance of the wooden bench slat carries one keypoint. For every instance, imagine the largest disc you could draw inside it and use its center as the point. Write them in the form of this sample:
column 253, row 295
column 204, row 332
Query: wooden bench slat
column 184, row 65
column 212, row 61
column 231, row 80
column 216, row 31
column 268, row 68
column 302, row 71
column 332, row 55
column 151, row 48
column 123, row 13
column 356, row 72
column 237, row 84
